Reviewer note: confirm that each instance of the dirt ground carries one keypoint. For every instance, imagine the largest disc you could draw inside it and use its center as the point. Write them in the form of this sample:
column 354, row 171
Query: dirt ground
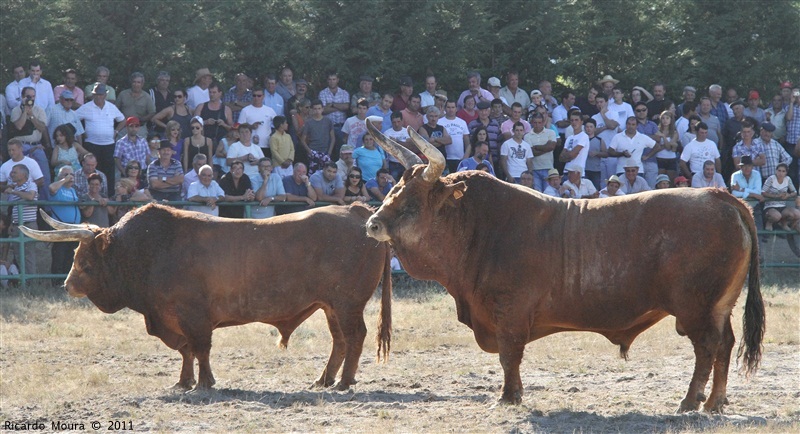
column 62, row 360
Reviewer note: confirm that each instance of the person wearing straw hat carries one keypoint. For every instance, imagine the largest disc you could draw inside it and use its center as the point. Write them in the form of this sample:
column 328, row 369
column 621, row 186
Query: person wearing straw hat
column 198, row 93
column 607, row 84
column 612, row 188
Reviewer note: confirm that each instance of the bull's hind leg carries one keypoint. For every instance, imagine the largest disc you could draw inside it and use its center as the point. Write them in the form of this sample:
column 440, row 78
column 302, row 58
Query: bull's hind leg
column 718, row 399
column 355, row 331
column 706, row 341
column 338, row 349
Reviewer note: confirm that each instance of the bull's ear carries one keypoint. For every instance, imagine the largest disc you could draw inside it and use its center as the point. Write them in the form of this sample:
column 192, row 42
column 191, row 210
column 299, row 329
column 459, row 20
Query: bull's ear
column 455, row 192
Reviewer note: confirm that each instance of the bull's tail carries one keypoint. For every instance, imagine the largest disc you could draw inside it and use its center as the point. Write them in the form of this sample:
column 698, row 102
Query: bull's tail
column 384, row 335
column 754, row 317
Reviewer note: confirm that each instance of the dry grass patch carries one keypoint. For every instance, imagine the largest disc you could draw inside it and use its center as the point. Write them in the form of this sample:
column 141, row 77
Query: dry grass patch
column 62, row 358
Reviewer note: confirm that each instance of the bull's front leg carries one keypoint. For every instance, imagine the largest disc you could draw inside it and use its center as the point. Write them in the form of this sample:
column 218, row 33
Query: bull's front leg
column 511, row 349
column 186, row 380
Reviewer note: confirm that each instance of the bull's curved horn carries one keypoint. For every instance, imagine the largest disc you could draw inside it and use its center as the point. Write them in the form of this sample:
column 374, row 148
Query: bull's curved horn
column 407, row 158
column 436, row 161
column 59, row 236
column 55, row 224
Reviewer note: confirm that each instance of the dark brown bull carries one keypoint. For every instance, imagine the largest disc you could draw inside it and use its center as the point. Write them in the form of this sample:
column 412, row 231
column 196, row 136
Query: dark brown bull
column 189, row 273
column 521, row 265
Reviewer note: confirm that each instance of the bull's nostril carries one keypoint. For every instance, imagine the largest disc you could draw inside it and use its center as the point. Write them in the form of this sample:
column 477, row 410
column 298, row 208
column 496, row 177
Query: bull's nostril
column 374, row 227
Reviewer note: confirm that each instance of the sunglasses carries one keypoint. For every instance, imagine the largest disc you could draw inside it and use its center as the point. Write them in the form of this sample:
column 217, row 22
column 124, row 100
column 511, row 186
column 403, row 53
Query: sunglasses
column 197, row 128
column 258, row 95
column 354, row 176
column 641, row 110
column 180, row 95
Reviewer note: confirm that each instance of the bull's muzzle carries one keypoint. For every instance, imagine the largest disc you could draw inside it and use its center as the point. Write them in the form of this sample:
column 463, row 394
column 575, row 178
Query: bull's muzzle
column 376, row 229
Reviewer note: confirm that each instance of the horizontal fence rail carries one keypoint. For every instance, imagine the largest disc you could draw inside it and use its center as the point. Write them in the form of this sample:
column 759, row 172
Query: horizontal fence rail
column 792, row 237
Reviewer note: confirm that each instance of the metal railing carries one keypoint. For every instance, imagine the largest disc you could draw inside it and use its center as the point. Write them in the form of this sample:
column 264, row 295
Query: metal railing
column 22, row 240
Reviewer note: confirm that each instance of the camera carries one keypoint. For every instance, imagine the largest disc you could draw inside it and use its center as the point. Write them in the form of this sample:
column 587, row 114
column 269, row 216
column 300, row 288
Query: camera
column 28, row 101
column 796, row 93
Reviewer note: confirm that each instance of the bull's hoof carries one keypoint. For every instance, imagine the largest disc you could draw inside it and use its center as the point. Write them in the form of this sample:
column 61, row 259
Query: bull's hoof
column 344, row 385
column 716, row 405
column 184, row 385
column 205, row 385
column 687, row 406
column 323, row 383
column 510, row 398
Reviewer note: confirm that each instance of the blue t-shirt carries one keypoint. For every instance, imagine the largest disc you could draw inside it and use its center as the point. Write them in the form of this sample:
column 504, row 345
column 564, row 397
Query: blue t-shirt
column 369, row 161
column 372, row 183
column 66, row 213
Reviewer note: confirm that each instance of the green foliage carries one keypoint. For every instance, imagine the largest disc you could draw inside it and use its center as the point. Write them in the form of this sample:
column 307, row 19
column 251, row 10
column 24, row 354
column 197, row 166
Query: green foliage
column 571, row 42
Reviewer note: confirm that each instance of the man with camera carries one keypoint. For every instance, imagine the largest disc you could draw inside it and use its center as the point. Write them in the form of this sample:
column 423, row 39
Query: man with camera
column 29, row 126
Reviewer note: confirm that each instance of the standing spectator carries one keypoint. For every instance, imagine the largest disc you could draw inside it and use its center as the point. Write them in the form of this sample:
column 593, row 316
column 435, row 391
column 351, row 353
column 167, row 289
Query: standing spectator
column 595, row 152
column 773, row 151
column 434, row 133
column 43, row 88
column 400, row 135
column 22, row 188
column 131, row 147
column 749, row 146
column 239, row 96
column 708, row 177
column 542, row 141
column 245, row 151
column 328, row 186
column 478, row 158
column 496, row 112
column 631, row 145
column 689, row 94
column 730, row 131
column 458, row 131
column 66, row 152
column 165, row 175
column 588, row 104
column 286, row 85
column 548, row 100
column 16, row 156
column 135, row 102
column 516, row 155
column 336, row 103
column 193, row 175
column 753, row 110
column 659, row 103
column 400, row 101
column 354, row 127
column 345, row 161
column 317, row 137
column 718, row 107
column 173, row 137
column 516, row 116
column 475, row 90
column 713, row 123
column 280, row 142
column 667, row 140
column 384, row 110
column 196, row 144
column 576, row 146
column 206, row 191
column 792, row 120
column 178, row 112
column 272, row 98
column 70, row 81
column 369, row 159
column 161, row 94
column 650, row 129
column 411, row 115
column 428, row 96
column 89, row 167
column 101, row 76
column 698, row 151
column 14, row 89
column 775, row 114
column 29, row 126
column 561, row 113
column 512, row 93
column 746, row 184
column 493, row 131
column 607, row 84
column 199, row 94
column 471, row 111
column 95, row 214
column 608, row 125
column 62, row 113
column 103, row 121
column 260, row 117
column 618, row 106
column 217, row 118
column 62, row 191
column 365, row 92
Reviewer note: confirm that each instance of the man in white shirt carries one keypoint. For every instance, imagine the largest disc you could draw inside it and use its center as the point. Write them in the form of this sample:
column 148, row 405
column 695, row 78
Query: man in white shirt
column 100, row 117
column 512, row 93
column 618, row 106
column 608, row 125
column 629, row 144
column 579, row 187
column 516, row 155
column 428, row 97
column 561, row 113
column 543, row 141
column 459, row 134
column 259, row 116
column 698, row 151
column 44, row 90
column 206, row 191
column 14, row 89
column 198, row 93
column 576, row 146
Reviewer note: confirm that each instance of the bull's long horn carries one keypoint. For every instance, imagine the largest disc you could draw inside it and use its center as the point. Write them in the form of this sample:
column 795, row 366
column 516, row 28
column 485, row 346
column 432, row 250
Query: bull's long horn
column 435, row 158
column 59, row 236
column 407, row 158
column 55, row 224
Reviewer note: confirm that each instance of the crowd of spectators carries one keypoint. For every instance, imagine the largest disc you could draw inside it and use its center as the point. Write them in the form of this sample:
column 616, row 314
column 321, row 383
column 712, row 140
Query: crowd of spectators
column 276, row 140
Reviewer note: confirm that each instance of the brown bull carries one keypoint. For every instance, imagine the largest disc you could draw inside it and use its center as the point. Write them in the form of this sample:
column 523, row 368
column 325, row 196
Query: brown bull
column 521, row 265
column 189, row 273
